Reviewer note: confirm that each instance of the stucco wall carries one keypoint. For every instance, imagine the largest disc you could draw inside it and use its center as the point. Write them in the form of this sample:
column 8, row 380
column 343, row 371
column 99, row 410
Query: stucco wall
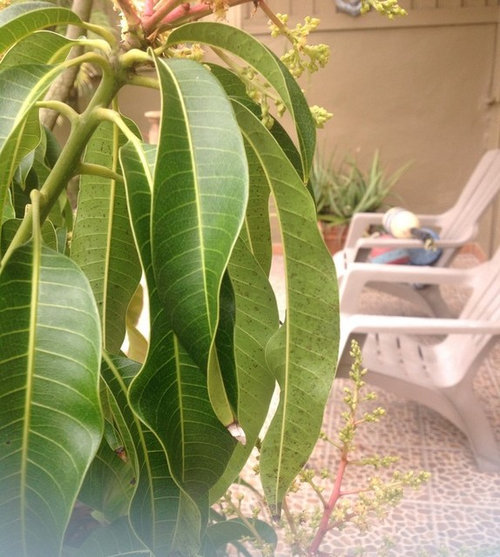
column 424, row 88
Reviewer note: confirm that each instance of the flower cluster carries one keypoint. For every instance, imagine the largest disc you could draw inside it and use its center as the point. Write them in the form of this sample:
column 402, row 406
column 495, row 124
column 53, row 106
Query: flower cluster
column 389, row 8
column 320, row 115
column 219, row 8
column 301, row 56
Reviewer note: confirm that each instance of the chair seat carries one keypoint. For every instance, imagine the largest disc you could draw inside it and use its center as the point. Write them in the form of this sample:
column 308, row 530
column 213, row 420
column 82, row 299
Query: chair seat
column 428, row 359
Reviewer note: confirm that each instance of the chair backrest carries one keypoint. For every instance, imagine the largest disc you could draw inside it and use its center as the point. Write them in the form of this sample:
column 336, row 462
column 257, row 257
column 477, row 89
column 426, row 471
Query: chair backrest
column 477, row 195
column 483, row 304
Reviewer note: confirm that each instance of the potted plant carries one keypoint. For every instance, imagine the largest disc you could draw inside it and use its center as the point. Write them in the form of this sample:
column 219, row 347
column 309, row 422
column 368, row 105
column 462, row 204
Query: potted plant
column 342, row 189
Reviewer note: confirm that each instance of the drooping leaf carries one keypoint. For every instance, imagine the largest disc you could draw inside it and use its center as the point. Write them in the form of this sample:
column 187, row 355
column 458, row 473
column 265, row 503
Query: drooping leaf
column 102, row 244
column 303, row 353
column 162, row 515
column 260, row 58
column 21, row 19
column 170, row 392
column 256, row 321
column 199, row 200
column 257, row 230
column 50, row 417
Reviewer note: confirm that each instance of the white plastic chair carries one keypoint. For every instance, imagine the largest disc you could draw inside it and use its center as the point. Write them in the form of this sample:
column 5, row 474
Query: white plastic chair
column 456, row 226
column 437, row 372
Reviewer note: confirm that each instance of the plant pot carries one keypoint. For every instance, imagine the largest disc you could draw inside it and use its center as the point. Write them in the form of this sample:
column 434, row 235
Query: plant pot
column 334, row 236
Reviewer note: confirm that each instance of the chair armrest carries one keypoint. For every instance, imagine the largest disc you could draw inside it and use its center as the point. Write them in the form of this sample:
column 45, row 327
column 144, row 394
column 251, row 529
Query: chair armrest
column 358, row 275
column 407, row 243
column 360, row 323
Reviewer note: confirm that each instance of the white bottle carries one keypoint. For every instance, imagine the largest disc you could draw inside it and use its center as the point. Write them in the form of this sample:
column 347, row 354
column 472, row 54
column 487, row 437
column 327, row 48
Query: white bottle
column 400, row 222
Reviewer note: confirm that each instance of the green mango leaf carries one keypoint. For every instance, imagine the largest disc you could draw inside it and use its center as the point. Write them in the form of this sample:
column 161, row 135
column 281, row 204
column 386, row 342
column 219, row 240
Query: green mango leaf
column 109, row 484
column 10, row 227
column 38, row 48
column 261, row 59
column 256, row 321
column 113, row 540
column 102, row 244
column 162, row 515
column 170, row 392
column 303, row 353
column 8, row 212
column 20, row 88
column 225, row 532
column 256, row 230
column 199, row 200
column 50, row 416
column 22, row 19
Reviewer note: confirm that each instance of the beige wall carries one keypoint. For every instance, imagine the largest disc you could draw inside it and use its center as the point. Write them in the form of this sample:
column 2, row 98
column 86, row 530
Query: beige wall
column 424, row 88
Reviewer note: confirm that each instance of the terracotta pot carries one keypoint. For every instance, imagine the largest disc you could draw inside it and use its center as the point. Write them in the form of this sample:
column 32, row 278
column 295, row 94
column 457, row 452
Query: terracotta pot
column 334, row 236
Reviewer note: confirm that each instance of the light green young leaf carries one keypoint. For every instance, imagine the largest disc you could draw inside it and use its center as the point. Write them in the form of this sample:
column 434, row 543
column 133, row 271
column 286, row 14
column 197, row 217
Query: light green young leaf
column 261, row 59
column 303, row 353
column 50, row 417
column 21, row 19
column 38, row 48
column 199, row 201
column 102, row 244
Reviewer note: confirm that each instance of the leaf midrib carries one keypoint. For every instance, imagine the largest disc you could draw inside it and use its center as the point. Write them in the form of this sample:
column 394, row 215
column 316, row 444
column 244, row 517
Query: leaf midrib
column 30, row 372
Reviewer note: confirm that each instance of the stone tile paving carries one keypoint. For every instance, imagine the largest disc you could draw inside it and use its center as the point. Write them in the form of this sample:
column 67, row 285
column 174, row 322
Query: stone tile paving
column 458, row 512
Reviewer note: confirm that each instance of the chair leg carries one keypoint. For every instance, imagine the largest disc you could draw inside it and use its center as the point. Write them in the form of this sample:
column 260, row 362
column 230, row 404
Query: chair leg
column 476, row 426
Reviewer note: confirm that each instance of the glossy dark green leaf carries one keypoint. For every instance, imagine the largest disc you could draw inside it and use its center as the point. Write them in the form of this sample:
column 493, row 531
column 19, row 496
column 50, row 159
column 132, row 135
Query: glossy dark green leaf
column 259, row 57
column 102, row 244
column 50, row 416
column 303, row 353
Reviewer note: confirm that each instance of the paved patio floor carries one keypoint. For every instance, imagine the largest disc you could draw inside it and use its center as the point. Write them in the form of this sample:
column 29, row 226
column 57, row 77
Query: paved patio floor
column 457, row 513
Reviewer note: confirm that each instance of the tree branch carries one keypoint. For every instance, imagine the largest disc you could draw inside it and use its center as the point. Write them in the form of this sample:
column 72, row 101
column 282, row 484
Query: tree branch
column 62, row 86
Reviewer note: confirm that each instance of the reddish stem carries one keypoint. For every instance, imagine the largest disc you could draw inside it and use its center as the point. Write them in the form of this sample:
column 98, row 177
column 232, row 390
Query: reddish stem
column 328, row 510
column 130, row 13
column 187, row 12
column 162, row 8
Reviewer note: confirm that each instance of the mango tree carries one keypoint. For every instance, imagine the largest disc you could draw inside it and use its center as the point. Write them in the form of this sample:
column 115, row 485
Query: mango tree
column 150, row 440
